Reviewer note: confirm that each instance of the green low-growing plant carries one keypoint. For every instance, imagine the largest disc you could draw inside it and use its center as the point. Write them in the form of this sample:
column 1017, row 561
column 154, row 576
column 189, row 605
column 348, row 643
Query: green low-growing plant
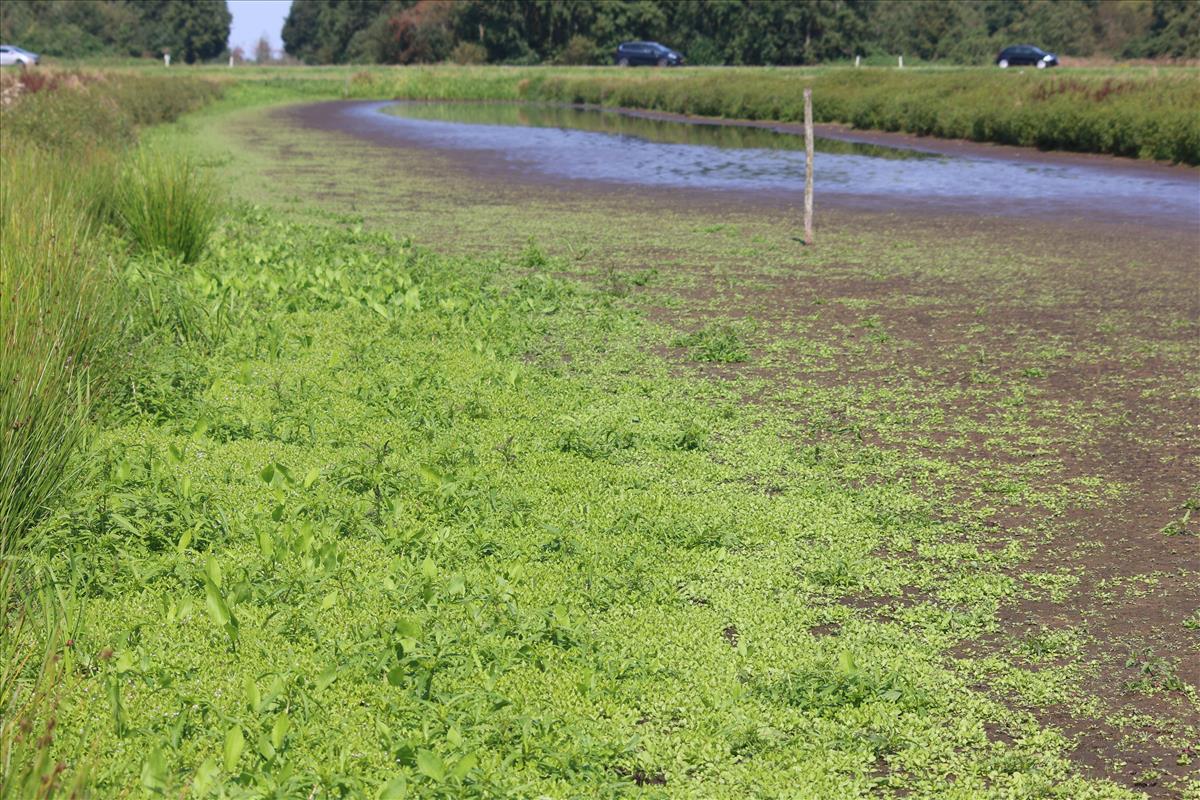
column 511, row 577
column 719, row 342
column 36, row 665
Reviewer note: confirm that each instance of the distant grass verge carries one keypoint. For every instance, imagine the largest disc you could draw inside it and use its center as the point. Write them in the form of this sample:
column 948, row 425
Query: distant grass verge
column 1142, row 117
column 78, row 111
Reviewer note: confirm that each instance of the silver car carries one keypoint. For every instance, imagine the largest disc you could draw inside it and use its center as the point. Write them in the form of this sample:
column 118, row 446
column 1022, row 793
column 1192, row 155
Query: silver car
column 10, row 56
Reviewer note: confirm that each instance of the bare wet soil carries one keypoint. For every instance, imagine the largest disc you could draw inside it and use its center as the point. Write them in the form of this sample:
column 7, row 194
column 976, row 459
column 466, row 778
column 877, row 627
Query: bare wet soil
column 1098, row 410
column 1041, row 375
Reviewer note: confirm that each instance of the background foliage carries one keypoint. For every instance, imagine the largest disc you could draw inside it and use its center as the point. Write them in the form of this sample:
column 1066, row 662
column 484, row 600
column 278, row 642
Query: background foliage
column 735, row 32
column 744, row 32
column 190, row 29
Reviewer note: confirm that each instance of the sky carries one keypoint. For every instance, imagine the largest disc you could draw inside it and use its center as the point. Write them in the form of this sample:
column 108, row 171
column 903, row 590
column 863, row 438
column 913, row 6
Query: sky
column 253, row 18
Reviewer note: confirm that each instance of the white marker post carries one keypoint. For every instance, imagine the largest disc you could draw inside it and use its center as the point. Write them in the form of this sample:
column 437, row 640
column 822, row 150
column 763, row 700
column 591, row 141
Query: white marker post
column 808, row 168
column 901, row 62
column 857, row 61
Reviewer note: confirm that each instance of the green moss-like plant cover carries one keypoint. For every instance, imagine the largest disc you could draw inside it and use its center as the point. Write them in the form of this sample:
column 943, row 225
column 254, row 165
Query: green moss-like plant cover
column 381, row 523
column 357, row 519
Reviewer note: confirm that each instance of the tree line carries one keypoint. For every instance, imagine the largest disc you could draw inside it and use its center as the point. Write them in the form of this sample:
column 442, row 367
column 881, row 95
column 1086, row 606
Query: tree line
column 738, row 32
column 191, row 30
column 735, row 32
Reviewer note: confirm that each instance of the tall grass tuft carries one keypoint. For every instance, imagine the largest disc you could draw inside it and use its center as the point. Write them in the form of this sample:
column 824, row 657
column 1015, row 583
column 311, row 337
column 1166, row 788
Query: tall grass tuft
column 164, row 203
column 56, row 323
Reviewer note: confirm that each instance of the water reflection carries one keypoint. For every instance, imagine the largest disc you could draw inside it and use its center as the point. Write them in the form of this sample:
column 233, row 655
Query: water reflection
column 560, row 143
column 650, row 130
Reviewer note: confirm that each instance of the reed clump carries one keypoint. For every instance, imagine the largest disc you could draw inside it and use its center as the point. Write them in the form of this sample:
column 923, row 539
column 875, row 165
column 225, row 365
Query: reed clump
column 56, row 285
column 163, row 202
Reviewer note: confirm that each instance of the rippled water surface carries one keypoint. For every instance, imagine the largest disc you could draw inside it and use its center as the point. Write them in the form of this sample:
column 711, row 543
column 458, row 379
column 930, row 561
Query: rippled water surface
column 612, row 147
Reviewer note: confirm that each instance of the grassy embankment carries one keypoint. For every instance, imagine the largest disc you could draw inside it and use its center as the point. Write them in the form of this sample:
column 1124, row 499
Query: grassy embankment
column 1139, row 113
column 68, row 182
column 359, row 517
column 68, row 189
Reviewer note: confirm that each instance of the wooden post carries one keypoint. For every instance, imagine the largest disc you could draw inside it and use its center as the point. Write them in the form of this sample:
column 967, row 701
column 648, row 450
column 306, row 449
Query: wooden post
column 808, row 168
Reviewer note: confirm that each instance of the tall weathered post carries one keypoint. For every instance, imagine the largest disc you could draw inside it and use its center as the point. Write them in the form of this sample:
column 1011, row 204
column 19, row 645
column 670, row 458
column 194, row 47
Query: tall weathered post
column 808, row 168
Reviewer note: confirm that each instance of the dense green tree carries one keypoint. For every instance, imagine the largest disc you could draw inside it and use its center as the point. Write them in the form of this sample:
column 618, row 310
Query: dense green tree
column 68, row 28
column 579, row 31
column 302, row 29
column 190, row 29
column 337, row 31
column 1174, row 31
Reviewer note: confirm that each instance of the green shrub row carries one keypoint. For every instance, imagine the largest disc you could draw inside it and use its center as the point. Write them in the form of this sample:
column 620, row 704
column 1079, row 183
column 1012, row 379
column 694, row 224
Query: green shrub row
column 80, row 112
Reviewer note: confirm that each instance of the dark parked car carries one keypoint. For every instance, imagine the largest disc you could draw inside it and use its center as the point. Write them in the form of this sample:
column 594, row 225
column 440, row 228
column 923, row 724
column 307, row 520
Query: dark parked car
column 1025, row 55
column 631, row 54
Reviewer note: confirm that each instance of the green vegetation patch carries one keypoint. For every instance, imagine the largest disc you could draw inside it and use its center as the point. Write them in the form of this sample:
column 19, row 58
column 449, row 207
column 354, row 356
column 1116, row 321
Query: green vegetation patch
column 380, row 521
column 1143, row 116
column 716, row 342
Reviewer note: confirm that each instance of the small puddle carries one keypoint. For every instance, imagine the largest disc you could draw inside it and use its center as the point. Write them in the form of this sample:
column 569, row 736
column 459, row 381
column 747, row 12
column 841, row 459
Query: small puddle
column 619, row 148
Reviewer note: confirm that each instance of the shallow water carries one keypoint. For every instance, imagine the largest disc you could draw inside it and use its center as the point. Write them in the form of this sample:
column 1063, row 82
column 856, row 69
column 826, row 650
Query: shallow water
column 644, row 129
column 610, row 147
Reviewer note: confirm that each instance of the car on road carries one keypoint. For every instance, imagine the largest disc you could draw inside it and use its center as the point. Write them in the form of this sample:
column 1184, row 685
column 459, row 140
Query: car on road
column 15, row 56
column 630, row 54
column 1025, row 55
